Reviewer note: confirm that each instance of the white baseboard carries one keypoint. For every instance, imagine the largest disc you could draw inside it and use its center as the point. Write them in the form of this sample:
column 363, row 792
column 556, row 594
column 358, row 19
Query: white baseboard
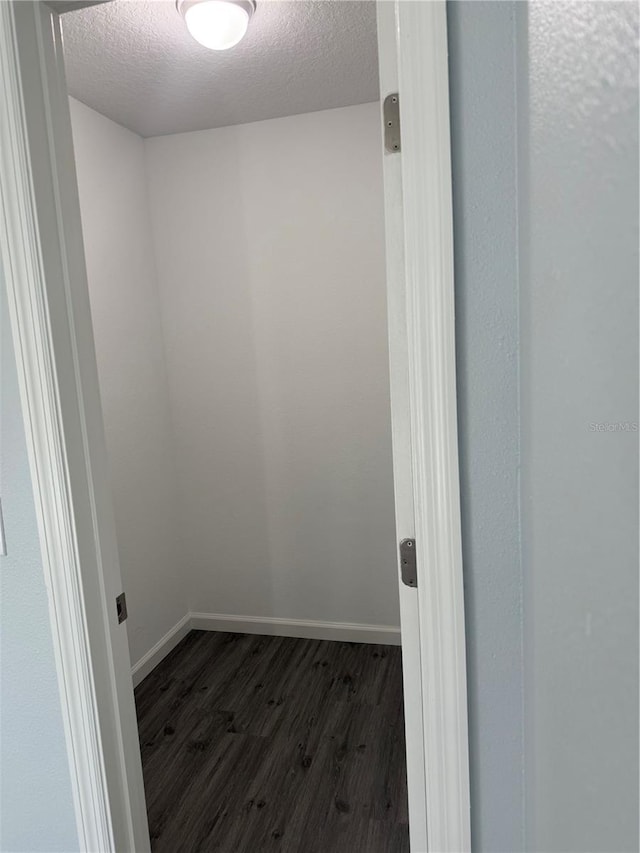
column 303, row 628
column 150, row 661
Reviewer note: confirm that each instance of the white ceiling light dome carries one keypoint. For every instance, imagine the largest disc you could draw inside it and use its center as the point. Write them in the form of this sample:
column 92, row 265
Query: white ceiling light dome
column 217, row 24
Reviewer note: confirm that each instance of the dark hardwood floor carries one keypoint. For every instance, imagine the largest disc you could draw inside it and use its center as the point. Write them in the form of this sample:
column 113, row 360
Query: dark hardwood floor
column 254, row 743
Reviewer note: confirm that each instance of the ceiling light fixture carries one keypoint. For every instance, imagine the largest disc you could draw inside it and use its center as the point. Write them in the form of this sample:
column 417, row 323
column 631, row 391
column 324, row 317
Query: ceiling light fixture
column 217, row 24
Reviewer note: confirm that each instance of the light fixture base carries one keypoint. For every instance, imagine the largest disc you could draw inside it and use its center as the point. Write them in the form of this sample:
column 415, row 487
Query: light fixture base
column 248, row 5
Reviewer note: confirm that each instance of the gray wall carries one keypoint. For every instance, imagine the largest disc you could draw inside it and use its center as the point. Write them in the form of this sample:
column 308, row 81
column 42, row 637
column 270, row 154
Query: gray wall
column 544, row 113
column 578, row 167
column 36, row 806
column 483, row 124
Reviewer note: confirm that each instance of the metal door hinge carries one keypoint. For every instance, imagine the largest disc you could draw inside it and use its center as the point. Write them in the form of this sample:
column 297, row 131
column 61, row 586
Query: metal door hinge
column 408, row 567
column 391, row 117
column 121, row 605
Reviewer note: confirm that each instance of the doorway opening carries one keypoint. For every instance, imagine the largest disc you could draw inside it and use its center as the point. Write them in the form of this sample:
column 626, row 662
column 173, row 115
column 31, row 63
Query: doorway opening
column 233, row 218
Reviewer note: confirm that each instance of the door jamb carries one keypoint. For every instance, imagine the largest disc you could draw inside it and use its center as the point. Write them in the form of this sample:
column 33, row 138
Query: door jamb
column 423, row 73
column 58, row 380
column 43, row 263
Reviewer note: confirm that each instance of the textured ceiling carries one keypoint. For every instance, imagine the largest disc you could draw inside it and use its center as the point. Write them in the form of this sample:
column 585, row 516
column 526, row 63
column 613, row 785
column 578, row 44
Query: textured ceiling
column 134, row 61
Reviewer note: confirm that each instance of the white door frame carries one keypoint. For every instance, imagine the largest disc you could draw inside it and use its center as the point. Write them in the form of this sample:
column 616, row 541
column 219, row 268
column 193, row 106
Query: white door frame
column 44, row 268
column 43, row 262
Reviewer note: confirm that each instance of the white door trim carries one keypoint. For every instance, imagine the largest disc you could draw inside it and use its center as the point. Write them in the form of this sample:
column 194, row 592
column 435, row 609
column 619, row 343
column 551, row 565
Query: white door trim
column 44, row 269
column 428, row 227
column 47, row 292
column 24, row 273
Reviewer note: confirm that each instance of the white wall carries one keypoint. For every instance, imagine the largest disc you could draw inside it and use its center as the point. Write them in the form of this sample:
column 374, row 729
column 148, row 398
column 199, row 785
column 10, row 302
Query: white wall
column 131, row 367
column 258, row 480
column 269, row 245
column 578, row 64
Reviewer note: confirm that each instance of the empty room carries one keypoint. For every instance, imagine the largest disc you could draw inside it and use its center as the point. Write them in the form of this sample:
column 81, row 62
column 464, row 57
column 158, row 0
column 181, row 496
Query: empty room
column 233, row 221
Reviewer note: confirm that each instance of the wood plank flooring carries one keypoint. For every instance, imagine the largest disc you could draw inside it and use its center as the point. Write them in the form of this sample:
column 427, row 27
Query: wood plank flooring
column 254, row 743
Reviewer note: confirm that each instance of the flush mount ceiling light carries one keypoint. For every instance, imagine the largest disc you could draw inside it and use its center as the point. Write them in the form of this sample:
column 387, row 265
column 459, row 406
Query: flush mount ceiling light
column 217, row 24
